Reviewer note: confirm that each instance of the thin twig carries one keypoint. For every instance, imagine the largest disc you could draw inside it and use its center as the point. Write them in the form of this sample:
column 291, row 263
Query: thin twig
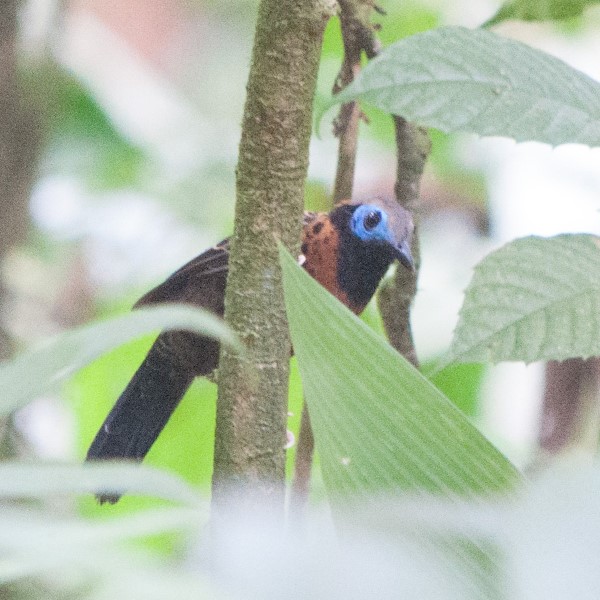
column 397, row 294
column 358, row 36
column 346, row 128
column 302, row 467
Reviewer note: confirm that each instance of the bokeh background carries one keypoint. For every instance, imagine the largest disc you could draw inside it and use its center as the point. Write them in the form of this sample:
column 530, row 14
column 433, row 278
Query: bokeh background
column 122, row 133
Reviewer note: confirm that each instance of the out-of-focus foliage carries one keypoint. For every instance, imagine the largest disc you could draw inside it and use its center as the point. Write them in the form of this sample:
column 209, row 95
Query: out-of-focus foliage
column 396, row 546
column 534, row 299
column 82, row 140
column 47, row 480
column 59, row 555
column 58, row 359
column 540, row 10
column 475, row 81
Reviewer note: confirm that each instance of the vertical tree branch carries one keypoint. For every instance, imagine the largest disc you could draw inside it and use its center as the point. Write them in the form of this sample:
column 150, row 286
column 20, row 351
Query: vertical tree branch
column 20, row 138
column 272, row 165
column 396, row 295
column 302, row 467
column 570, row 405
column 358, row 36
column 19, row 142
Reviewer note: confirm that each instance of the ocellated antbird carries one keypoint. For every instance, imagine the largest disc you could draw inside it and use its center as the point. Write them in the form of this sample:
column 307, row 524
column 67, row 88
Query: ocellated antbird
column 347, row 250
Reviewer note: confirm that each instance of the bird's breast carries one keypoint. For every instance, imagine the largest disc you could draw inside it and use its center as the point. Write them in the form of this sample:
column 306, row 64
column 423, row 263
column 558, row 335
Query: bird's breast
column 320, row 251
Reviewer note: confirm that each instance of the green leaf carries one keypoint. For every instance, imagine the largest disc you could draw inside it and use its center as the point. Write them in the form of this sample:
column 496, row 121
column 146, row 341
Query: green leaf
column 540, row 10
column 533, row 299
column 456, row 79
column 37, row 541
column 461, row 383
column 54, row 361
column 40, row 480
column 379, row 425
column 146, row 523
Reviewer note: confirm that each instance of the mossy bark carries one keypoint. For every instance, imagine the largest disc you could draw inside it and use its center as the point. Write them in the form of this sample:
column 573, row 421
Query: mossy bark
column 272, row 165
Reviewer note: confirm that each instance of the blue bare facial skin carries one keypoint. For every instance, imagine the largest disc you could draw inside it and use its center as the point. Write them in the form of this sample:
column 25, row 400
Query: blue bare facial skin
column 370, row 224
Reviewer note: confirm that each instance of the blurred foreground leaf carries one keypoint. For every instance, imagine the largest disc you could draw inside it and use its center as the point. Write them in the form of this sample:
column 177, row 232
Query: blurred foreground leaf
column 379, row 424
column 539, row 10
column 40, row 480
column 457, row 79
column 54, row 361
column 82, row 553
column 533, row 299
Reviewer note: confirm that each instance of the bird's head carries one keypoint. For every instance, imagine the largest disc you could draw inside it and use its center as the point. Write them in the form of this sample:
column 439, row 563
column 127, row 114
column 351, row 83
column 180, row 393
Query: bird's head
column 384, row 224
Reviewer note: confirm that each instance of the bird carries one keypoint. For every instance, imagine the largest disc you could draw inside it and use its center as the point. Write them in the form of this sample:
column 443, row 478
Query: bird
column 348, row 251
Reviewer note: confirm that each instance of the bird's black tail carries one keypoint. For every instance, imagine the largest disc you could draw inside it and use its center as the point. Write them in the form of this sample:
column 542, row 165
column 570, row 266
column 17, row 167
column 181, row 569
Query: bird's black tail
column 142, row 410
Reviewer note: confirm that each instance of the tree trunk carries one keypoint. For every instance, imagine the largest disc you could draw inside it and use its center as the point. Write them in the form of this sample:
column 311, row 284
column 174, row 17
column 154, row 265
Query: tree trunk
column 20, row 138
column 272, row 165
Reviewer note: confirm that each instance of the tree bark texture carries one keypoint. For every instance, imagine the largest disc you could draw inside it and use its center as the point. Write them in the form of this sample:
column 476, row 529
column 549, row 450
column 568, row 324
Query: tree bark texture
column 20, row 139
column 396, row 295
column 272, row 165
column 358, row 36
column 570, row 406
column 19, row 136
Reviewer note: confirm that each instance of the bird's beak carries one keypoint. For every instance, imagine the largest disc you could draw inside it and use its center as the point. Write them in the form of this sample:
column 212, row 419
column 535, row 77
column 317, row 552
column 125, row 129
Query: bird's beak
column 404, row 256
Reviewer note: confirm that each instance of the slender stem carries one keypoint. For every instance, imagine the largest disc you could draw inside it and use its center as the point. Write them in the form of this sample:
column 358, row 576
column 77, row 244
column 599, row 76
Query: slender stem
column 272, row 164
column 302, row 467
column 570, row 406
column 396, row 295
column 348, row 134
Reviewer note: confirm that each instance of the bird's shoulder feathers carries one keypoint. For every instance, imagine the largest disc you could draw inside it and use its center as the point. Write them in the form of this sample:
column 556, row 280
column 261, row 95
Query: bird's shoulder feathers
column 198, row 276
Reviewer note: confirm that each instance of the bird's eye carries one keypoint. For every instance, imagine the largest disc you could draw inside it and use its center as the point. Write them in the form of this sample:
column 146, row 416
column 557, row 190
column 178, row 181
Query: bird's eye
column 372, row 220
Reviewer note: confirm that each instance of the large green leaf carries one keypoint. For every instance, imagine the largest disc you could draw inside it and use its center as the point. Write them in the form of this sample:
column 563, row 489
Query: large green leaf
column 379, row 424
column 54, row 361
column 540, row 10
column 456, row 79
column 533, row 299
